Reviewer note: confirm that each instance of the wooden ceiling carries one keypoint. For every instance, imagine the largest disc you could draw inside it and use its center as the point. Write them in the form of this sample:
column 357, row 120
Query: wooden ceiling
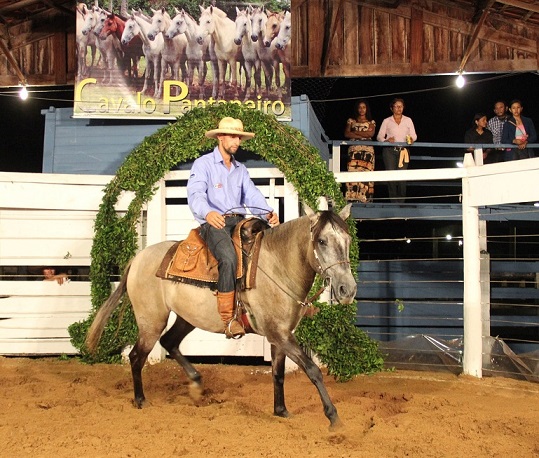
column 37, row 38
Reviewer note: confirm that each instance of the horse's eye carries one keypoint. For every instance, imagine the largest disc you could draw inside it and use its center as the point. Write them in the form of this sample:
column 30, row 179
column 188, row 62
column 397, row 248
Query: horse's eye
column 322, row 242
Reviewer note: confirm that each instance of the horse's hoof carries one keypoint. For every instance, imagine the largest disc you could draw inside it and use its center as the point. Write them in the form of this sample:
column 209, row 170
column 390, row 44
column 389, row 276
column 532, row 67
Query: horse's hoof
column 196, row 391
column 138, row 403
column 336, row 425
column 282, row 414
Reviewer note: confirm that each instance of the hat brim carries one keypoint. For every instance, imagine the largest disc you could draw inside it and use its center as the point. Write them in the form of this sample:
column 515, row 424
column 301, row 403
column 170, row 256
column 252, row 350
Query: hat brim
column 243, row 135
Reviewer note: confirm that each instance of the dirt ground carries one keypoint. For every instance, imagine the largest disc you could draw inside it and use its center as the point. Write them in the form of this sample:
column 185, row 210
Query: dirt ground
column 54, row 408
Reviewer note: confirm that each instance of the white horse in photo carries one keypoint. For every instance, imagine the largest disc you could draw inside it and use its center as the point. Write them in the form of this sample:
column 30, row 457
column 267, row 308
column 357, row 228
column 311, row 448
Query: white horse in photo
column 174, row 54
column 285, row 32
column 221, row 29
column 197, row 54
column 108, row 48
column 248, row 50
column 274, row 24
column 84, row 40
column 269, row 59
column 137, row 26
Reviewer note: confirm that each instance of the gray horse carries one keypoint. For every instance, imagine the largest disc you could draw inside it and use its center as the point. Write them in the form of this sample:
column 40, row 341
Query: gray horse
column 291, row 254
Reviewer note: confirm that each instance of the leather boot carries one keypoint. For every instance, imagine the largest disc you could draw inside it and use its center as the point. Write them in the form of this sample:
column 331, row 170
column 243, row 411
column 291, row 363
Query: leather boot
column 225, row 306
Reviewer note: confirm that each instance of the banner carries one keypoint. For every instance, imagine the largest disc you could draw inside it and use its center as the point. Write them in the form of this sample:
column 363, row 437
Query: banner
column 159, row 64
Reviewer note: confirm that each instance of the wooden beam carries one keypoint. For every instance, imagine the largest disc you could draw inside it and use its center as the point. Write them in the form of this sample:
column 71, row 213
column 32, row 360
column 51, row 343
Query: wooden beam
column 330, row 35
column 475, row 34
column 416, row 40
column 519, row 4
column 13, row 62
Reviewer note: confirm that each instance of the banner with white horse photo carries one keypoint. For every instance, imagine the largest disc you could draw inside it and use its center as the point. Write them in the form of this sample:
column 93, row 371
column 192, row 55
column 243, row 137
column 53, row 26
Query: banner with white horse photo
column 136, row 61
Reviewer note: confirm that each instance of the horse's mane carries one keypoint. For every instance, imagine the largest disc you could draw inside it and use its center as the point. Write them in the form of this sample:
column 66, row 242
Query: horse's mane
column 275, row 235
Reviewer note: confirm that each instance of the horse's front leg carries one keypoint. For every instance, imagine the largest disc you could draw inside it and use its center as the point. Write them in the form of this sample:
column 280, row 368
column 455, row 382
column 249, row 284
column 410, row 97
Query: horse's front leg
column 277, row 370
column 290, row 347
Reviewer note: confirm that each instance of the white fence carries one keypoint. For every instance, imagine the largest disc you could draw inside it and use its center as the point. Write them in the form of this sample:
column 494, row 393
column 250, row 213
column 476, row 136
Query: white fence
column 47, row 220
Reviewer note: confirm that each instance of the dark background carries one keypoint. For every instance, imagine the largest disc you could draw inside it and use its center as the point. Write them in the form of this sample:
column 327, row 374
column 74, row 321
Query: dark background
column 441, row 112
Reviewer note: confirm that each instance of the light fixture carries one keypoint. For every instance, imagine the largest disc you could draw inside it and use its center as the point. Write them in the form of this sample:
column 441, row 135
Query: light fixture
column 23, row 93
column 448, row 237
column 460, row 81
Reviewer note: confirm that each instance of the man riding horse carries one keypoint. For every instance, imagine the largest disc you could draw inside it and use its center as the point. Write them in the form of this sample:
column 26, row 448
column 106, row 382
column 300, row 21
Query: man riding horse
column 219, row 191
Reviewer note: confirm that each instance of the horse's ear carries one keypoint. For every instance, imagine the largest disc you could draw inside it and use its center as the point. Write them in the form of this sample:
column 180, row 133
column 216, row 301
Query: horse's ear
column 309, row 211
column 345, row 212
column 237, row 11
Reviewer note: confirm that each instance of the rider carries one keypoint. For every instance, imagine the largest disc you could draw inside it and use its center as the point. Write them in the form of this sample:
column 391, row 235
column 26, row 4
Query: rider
column 219, row 190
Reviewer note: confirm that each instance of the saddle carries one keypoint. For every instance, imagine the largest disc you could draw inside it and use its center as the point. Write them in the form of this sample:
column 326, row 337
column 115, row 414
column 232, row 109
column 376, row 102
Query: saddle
column 191, row 261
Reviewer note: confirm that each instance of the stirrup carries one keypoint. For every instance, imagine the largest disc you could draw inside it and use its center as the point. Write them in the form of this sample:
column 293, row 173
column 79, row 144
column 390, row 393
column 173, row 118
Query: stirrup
column 228, row 330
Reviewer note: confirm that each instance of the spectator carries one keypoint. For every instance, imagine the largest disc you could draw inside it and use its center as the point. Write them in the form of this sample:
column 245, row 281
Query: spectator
column 520, row 131
column 396, row 128
column 478, row 135
column 50, row 275
column 495, row 125
column 360, row 157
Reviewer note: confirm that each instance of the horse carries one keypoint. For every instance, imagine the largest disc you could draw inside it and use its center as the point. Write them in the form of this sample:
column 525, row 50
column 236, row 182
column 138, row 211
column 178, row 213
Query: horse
column 267, row 55
column 221, row 29
column 138, row 27
column 291, row 255
column 174, row 49
column 248, row 50
column 84, row 40
column 115, row 25
column 197, row 54
column 285, row 32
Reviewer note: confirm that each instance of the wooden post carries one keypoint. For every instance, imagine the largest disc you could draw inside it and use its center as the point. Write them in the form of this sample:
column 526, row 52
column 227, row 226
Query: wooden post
column 473, row 342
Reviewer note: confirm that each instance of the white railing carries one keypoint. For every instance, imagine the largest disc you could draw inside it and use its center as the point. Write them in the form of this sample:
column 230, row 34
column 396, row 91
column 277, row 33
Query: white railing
column 48, row 219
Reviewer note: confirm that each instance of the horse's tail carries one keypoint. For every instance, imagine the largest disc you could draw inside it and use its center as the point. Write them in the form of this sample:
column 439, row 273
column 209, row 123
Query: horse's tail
column 105, row 311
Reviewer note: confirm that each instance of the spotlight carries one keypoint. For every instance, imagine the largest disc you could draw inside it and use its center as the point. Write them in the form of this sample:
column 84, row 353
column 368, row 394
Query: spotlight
column 448, row 237
column 460, row 81
column 23, row 93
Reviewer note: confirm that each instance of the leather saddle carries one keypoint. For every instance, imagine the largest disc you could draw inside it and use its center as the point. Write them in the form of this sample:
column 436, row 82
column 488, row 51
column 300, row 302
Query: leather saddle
column 191, row 261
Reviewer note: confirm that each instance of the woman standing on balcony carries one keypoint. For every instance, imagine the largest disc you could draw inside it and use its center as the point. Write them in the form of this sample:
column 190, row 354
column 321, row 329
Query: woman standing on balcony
column 397, row 129
column 520, row 131
column 360, row 157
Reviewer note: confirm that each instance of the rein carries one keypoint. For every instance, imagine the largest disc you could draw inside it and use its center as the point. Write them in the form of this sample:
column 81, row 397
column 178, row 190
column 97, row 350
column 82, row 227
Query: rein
column 307, row 302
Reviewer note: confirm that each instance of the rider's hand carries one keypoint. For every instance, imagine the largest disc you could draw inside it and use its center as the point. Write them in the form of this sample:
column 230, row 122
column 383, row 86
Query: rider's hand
column 215, row 219
column 273, row 219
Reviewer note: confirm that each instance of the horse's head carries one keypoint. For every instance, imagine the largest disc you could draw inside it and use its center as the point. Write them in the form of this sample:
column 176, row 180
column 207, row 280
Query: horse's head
column 243, row 24
column 206, row 24
column 110, row 26
column 177, row 25
column 273, row 25
column 131, row 30
column 258, row 23
column 285, row 32
column 90, row 21
column 160, row 23
column 331, row 251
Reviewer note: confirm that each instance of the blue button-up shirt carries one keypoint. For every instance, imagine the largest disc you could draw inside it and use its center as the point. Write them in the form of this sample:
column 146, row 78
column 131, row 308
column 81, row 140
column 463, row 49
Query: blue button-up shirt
column 213, row 187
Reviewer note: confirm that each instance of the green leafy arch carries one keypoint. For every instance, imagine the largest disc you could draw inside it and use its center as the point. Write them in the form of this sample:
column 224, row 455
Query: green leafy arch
column 115, row 240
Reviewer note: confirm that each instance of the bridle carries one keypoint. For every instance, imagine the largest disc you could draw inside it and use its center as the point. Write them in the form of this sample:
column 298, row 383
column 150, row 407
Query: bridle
column 320, row 271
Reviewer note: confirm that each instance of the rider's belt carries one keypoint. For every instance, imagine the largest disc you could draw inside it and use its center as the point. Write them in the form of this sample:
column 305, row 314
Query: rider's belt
column 233, row 215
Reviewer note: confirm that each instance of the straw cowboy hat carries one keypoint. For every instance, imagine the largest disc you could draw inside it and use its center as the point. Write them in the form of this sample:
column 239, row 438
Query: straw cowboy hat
column 230, row 126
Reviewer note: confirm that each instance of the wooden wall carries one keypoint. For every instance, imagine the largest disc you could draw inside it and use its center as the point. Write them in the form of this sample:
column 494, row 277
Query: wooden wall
column 348, row 38
column 44, row 48
column 331, row 38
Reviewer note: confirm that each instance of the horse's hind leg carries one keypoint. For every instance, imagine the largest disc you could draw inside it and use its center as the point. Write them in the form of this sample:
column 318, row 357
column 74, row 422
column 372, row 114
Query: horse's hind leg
column 277, row 370
column 147, row 338
column 171, row 342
